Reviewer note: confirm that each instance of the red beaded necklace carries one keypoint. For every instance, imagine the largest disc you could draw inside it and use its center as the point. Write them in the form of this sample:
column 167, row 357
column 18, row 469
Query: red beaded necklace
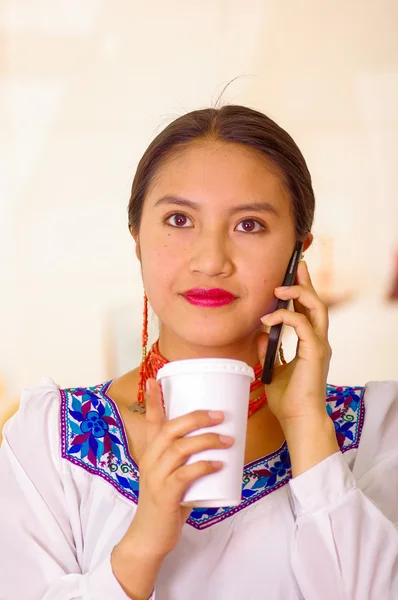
column 153, row 361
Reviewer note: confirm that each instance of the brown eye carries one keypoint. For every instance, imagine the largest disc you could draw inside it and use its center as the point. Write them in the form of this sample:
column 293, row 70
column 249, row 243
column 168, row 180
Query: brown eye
column 179, row 220
column 249, row 226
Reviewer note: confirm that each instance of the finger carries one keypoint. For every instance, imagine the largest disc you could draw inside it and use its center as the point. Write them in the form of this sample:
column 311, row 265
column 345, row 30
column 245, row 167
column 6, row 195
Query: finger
column 178, row 428
column 262, row 344
column 309, row 344
column 154, row 413
column 186, row 511
column 186, row 475
column 303, row 276
column 177, row 454
column 309, row 304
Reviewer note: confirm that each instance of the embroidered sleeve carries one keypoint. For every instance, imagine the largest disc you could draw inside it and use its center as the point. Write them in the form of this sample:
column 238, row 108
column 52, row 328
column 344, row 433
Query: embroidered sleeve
column 345, row 543
column 39, row 558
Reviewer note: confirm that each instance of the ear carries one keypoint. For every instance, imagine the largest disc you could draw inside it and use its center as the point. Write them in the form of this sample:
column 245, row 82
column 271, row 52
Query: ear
column 308, row 241
column 137, row 246
column 138, row 251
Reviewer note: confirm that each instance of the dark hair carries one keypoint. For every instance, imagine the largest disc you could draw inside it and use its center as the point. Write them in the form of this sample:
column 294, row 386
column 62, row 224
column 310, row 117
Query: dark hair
column 236, row 124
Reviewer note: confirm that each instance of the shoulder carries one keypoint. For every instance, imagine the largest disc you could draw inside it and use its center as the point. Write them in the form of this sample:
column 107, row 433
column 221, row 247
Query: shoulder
column 30, row 460
column 384, row 393
column 66, row 423
column 366, row 419
column 381, row 419
column 42, row 397
column 60, row 434
column 381, row 414
column 34, row 428
column 375, row 463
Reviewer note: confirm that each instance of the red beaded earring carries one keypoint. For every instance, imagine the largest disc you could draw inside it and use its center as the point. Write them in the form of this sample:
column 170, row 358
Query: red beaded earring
column 144, row 351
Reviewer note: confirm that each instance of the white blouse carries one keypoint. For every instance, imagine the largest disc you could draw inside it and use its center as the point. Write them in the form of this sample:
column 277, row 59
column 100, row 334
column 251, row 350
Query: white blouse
column 69, row 491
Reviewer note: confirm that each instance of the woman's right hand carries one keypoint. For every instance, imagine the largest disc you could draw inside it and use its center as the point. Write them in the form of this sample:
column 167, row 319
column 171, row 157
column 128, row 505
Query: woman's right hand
column 164, row 476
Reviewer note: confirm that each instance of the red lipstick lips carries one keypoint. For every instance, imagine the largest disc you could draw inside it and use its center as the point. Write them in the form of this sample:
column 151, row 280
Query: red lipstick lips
column 209, row 297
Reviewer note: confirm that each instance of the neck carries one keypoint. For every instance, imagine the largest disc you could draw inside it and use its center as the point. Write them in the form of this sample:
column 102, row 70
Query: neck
column 173, row 348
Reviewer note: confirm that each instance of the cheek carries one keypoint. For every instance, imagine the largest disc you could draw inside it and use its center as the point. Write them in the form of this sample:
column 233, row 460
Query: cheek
column 266, row 274
column 262, row 288
column 161, row 270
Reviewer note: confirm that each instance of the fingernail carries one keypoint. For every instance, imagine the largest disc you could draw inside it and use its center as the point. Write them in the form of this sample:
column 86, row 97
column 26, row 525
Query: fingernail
column 148, row 386
column 282, row 288
column 215, row 414
column 226, row 439
column 265, row 318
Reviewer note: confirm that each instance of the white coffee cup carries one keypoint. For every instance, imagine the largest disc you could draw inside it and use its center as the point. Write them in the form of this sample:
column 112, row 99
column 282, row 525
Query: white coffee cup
column 212, row 384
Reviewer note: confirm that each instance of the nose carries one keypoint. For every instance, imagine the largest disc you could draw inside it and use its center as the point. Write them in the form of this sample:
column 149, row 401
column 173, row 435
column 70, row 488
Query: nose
column 211, row 255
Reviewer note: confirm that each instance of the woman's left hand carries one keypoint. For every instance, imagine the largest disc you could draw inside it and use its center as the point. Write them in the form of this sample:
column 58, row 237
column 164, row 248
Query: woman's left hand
column 297, row 391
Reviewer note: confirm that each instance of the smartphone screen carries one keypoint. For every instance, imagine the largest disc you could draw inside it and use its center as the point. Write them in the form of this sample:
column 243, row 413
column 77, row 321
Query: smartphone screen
column 276, row 330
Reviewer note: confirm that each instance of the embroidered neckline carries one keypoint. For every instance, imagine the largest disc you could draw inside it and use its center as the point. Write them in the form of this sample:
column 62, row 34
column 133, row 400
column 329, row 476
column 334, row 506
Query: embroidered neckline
column 93, row 438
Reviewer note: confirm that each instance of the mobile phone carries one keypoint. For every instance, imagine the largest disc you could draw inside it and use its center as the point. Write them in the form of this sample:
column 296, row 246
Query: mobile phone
column 276, row 330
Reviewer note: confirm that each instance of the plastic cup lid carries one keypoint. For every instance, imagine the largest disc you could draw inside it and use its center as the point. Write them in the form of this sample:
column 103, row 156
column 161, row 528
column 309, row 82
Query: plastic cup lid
column 205, row 365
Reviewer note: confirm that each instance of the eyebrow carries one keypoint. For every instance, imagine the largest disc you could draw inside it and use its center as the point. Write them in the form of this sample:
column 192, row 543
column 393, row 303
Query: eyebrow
column 265, row 206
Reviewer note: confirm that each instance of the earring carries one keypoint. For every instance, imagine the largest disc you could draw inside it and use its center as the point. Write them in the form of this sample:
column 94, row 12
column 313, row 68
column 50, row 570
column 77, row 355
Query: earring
column 282, row 354
column 145, row 328
column 139, row 407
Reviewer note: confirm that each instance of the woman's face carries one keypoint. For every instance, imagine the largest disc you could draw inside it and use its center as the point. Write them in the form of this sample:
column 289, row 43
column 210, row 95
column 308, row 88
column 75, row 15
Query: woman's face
column 216, row 244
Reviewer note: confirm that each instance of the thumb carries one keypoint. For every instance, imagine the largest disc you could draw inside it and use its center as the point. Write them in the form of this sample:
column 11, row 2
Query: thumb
column 262, row 344
column 154, row 413
column 186, row 511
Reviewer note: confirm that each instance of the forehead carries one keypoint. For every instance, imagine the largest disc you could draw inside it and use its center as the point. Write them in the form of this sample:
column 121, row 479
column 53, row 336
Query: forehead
column 227, row 171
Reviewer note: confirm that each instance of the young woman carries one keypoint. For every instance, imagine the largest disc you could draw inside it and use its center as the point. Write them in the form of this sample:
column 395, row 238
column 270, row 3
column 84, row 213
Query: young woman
column 92, row 478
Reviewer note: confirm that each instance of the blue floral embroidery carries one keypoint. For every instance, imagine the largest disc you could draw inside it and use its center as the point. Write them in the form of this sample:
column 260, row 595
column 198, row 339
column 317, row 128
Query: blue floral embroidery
column 259, row 479
column 93, row 438
column 91, row 430
column 343, row 407
column 95, row 424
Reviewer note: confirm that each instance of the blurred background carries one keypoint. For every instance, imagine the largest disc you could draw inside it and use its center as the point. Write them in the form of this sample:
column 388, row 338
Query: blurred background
column 84, row 88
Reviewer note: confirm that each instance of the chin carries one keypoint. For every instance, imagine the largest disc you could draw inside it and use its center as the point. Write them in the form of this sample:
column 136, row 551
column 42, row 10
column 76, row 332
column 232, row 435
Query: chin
column 210, row 337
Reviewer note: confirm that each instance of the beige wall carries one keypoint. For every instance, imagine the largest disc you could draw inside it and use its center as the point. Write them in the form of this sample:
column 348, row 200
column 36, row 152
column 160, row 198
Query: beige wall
column 85, row 86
